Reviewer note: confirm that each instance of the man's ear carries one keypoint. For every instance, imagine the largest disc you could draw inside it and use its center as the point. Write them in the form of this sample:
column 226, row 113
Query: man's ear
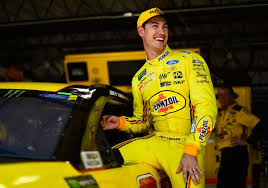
column 140, row 31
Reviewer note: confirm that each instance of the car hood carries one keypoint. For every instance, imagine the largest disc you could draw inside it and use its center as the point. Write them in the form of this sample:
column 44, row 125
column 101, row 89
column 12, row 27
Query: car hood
column 34, row 174
column 64, row 175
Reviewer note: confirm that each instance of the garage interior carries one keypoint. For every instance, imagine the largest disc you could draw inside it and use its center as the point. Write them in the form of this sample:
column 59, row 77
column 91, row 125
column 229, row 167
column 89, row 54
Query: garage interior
column 231, row 34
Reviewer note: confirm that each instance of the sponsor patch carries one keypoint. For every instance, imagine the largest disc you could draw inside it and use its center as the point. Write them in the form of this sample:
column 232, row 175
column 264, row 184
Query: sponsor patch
column 163, row 56
column 179, row 82
column 177, row 74
column 145, row 83
column 91, row 159
column 84, row 181
column 163, row 84
column 202, row 81
column 198, row 61
column 186, row 52
column 203, row 129
column 151, row 74
column 142, row 86
column 200, row 68
column 193, row 127
column 141, row 81
column 142, row 74
column 166, row 102
column 163, row 76
column 198, row 65
column 198, row 74
column 172, row 68
column 172, row 62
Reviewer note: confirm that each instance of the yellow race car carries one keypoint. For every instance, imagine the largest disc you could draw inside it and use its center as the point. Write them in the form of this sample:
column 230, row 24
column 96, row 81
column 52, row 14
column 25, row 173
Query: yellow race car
column 50, row 137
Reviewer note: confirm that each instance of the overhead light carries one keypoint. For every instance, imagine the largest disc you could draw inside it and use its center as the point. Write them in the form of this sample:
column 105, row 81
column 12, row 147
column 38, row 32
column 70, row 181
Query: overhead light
column 128, row 14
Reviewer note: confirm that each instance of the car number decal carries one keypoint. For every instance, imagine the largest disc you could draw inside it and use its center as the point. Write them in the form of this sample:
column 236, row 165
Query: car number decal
column 91, row 159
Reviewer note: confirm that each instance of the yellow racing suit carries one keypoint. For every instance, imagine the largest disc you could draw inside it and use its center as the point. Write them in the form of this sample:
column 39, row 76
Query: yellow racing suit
column 235, row 121
column 174, row 93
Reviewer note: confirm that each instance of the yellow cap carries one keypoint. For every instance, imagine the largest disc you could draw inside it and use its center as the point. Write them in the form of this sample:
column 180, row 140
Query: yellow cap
column 146, row 15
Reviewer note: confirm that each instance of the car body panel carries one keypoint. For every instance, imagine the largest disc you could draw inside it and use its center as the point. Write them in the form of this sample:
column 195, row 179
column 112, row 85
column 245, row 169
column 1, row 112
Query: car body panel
column 33, row 86
column 53, row 174
column 65, row 167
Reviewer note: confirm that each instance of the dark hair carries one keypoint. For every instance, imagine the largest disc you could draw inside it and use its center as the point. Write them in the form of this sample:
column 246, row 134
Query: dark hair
column 229, row 88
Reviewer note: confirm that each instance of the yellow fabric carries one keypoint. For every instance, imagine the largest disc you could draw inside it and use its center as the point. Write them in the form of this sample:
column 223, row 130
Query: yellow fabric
column 164, row 90
column 122, row 124
column 146, row 15
column 191, row 149
column 233, row 122
column 161, row 153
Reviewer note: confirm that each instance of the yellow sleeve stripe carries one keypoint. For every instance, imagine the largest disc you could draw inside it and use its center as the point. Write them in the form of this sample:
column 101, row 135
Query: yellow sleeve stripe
column 191, row 149
column 122, row 123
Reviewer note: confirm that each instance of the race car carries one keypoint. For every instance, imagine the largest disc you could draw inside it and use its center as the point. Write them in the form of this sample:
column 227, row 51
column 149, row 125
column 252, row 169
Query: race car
column 50, row 136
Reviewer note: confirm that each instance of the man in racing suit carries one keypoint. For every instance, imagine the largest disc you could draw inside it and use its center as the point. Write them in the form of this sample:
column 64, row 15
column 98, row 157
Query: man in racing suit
column 233, row 127
column 166, row 90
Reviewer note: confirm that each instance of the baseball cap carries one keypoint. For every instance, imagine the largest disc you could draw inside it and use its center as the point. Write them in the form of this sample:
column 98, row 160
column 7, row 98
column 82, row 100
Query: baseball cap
column 146, row 15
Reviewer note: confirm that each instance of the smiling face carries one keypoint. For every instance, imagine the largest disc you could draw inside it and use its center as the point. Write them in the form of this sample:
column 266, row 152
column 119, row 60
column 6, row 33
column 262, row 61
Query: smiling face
column 154, row 34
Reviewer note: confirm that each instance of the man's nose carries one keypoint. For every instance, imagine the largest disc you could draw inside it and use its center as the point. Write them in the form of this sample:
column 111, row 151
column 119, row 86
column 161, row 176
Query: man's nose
column 161, row 31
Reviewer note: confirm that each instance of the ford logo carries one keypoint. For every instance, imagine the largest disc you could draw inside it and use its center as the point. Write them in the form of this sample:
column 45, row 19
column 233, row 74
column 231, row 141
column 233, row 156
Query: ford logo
column 172, row 62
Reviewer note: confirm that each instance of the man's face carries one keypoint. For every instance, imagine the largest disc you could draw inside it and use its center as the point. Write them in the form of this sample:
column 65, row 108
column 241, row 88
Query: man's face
column 155, row 33
column 225, row 97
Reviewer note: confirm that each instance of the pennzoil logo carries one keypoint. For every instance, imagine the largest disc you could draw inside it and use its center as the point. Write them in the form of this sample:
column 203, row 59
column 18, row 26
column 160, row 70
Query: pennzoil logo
column 203, row 129
column 166, row 102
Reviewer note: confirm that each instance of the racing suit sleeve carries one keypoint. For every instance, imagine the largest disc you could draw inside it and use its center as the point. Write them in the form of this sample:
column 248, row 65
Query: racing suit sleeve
column 247, row 119
column 252, row 122
column 139, row 122
column 203, row 101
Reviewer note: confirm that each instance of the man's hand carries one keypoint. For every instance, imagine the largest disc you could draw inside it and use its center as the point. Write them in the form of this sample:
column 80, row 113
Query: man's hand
column 237, row 141
column 189, row 165
column 110, row 122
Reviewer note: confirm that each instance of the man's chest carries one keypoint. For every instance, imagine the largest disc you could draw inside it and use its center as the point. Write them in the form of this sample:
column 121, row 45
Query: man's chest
column 165, row 77
column 228, row 119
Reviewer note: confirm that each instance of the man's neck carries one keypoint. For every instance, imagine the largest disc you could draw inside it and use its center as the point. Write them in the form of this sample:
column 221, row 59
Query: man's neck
column 151, row 54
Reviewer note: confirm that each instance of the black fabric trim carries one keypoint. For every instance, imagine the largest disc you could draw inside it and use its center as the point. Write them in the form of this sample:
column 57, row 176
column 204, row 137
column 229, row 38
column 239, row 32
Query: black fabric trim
column 237, row 107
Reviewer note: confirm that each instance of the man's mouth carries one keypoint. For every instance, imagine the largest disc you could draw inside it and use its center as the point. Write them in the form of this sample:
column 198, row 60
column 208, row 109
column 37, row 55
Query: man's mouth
column 159, row 38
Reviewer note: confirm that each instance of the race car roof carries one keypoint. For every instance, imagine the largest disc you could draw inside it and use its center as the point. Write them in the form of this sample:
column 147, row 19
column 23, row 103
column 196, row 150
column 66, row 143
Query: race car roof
column 41, row 86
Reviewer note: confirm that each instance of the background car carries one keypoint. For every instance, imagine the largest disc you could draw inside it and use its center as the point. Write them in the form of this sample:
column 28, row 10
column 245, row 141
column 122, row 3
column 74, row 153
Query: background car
column 50, row 136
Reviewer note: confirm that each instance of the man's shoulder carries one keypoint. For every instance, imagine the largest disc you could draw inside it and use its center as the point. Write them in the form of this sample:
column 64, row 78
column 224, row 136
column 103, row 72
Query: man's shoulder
column 184, row 52
column 141, row 72
column 187, row 55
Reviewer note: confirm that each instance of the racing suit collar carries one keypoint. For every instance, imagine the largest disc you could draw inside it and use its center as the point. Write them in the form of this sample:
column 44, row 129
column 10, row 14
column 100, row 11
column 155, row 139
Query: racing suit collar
column 159, row 58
